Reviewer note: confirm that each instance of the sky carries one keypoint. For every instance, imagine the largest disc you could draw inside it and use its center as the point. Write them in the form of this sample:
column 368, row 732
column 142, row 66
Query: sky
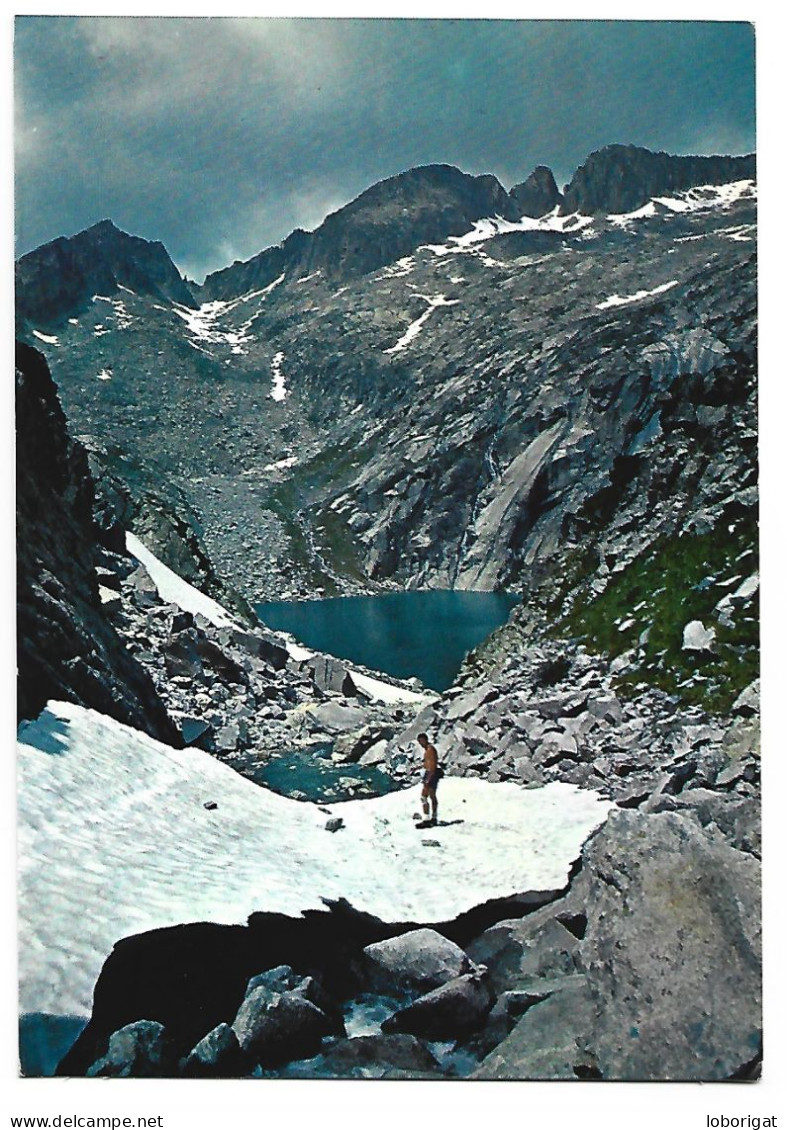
column 219, row 136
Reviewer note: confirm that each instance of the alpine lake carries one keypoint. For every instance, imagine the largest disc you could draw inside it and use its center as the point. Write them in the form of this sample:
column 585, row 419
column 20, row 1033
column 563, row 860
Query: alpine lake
column 423, row 635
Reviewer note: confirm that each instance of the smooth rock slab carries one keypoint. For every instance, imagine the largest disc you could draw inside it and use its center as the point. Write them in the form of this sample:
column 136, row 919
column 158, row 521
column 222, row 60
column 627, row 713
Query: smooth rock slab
column 422, row 958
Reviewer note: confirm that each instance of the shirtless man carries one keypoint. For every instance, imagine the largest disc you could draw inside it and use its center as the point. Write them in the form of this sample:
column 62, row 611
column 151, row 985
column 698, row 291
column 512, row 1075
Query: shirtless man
column 430, row 779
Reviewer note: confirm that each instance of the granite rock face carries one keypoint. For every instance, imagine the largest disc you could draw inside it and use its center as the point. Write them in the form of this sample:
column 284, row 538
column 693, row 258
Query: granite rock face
column 59, row 279
column 67, row 649
column 666, row 979
column 621, row 178
column 464, row 399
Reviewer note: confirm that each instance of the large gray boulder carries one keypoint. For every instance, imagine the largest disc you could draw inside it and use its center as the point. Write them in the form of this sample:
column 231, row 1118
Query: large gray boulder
column 533, row 947
column 334, row 716
column 138, row 1051
column 283, row 1017
column 421, row 958
column 669, row 981
column 672, row 950
column 450, row 1012
column 331, row 675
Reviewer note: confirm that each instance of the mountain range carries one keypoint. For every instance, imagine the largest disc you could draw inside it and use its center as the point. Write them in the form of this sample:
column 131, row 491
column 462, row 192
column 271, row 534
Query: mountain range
column 445, row 385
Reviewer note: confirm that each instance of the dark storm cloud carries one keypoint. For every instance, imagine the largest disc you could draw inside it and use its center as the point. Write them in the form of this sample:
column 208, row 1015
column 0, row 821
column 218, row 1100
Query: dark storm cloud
column 218, row 136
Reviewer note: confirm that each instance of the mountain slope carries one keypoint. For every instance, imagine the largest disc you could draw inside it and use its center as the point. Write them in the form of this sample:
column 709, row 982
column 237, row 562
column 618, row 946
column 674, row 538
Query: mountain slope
column 477, row 413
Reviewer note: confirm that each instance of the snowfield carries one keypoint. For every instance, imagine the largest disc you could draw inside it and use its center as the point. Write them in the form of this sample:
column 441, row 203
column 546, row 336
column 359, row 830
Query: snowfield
column 174, row 590
column 115, row 838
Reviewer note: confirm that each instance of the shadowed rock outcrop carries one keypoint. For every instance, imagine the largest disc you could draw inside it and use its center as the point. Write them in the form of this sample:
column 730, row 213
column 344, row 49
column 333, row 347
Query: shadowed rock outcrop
column 620, row 178
column 60, row 278
column 66, row 647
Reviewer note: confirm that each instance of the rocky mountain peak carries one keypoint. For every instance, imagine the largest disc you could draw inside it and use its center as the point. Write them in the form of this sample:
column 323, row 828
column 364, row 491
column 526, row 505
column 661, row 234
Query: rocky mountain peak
column 390, row 220
column 60, row 278
column 538, row 194
column 621, row 178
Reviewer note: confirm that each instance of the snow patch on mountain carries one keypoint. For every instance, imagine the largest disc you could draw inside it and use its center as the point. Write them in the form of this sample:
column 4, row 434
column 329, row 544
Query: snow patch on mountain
column 623, row 300
column 174, row 590
column 415, row 327
column 202, row 324
column 279, row 390
column 699, row 199
column 486, row 229
column 282, row 464
column 49, row 339
column 115, row 839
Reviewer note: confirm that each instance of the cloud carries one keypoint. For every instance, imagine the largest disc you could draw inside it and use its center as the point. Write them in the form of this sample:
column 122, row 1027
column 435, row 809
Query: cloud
column 212, row 133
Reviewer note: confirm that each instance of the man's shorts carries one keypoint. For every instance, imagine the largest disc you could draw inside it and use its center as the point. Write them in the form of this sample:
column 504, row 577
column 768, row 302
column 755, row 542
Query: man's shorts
column 431, row 778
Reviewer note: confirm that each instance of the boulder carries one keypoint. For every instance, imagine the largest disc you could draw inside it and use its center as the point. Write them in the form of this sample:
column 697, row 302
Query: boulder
column 748, row 701
column 450, row 1012
column 217, row 1055
column 671, row 950
column 333, row 716
column 282, row 979
column 138, row 1050
column 273, row 1028
column 547, row 1041
column 234, row 735
column 330, row 675
column 736, row 818
column 372, row 1057
column 375, row 754
column 275, row 654
column 194, row 730
column 421, row 958
column 537, row 946
column 352, row 746
column 469, row 702
column 696, row 637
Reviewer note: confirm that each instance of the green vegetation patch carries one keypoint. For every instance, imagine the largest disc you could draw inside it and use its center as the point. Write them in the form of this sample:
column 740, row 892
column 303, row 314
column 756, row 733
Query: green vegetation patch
column 646, row 607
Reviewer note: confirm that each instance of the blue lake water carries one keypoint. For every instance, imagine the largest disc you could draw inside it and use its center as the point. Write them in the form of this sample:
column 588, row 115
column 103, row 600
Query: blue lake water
column 310, row 774
column 404, row 634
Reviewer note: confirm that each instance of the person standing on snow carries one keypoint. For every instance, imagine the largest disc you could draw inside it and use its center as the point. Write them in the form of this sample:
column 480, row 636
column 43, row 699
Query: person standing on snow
column 432, row 774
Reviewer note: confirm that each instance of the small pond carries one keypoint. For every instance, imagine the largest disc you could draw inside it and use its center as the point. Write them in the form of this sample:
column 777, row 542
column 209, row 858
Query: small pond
column 310, row 774
column 404, row 634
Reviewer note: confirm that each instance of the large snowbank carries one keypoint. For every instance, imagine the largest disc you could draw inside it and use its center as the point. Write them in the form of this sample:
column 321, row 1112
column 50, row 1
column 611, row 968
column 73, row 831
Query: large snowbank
column 115, row 838
column 174, row 590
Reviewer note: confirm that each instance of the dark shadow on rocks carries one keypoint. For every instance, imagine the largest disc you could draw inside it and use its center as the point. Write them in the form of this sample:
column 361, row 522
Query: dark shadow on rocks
column 192, row 978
